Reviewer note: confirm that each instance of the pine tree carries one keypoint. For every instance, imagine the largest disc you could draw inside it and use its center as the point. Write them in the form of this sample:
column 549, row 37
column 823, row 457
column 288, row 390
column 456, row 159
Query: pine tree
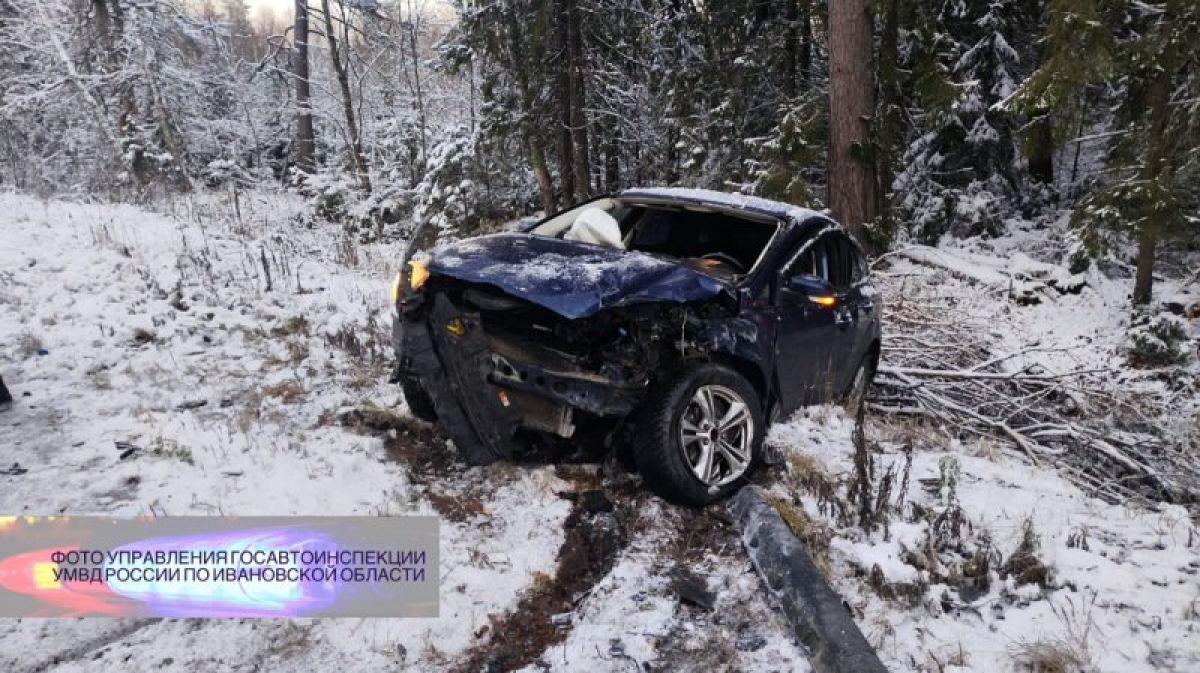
column 1145, row 56
column 965, row 166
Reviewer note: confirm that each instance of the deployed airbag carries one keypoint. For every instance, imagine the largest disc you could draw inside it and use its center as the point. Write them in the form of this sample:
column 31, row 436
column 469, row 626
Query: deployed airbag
column 597, row 227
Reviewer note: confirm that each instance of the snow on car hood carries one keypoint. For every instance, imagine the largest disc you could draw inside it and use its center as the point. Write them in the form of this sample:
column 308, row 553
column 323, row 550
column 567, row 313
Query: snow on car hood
column 572, row 279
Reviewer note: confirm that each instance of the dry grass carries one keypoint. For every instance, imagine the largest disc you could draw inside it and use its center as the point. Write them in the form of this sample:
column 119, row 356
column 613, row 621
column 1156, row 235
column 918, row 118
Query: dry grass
column 806, row 474
column 1050, row 656
column 939, row 662
column 814, row 534
column 296, row 325
column 250, row 413
column 144, row 336
column 286, row 392
column 28, row 344
column 1024, row 565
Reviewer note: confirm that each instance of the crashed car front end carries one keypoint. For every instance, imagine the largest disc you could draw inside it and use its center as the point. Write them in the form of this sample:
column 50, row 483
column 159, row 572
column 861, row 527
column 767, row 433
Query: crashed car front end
column 580, row 344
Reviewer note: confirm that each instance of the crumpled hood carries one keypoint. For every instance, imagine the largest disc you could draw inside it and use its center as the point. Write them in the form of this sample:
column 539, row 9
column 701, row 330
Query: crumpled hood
column 572, row 279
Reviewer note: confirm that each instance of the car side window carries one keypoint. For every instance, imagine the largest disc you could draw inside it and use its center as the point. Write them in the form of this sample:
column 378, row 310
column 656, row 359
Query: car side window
column 831, row 256
column 840, row 273
column 858, row 265
column 811, row 261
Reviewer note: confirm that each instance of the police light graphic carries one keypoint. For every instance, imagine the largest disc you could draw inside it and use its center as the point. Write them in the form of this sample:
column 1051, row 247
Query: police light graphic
column 219, row 566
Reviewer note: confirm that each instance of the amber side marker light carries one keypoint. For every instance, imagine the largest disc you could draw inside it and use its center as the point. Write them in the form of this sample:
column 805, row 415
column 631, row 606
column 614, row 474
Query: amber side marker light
column 822, row 300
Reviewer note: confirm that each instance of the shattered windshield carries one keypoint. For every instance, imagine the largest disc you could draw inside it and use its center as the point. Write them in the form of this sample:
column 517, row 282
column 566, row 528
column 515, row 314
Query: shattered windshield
column 716, row 242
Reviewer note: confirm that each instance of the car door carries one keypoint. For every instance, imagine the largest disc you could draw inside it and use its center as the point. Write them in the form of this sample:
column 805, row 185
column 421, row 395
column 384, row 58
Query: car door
column 860, row 301
column 851, row 313
column 806, row 344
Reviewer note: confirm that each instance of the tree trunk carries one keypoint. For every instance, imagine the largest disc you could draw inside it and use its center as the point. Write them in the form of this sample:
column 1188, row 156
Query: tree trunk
column 806, row 44
column 562, row 91
column 343, row 77
column 579, row 124
column 889, row 123
column 1157, row 166
column 1039, row 145
column 612, row 162
column 537, row 157
column 533, row 141
column 1143, row 282
column 1039, row 137
column 108, row 35
column 791, row 47
column 166, row 126
column 304, row 121
column 413, row 27
column 851, row 180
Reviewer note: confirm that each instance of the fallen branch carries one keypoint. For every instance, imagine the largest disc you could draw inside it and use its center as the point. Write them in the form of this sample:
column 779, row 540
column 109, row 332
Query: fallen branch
column 939, row 366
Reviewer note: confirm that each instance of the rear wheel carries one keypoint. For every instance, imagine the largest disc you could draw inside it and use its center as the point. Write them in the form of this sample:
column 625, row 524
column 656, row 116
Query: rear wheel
column 856, row 395
column 700, row 434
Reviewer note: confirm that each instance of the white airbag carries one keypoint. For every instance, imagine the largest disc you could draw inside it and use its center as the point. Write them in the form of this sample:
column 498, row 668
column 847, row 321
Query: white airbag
column 595, row 226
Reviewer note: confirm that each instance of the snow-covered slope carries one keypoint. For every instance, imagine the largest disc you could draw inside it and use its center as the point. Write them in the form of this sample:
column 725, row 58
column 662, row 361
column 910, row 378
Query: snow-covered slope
column 201, row 360
column 159, row 372
column 1120, row 592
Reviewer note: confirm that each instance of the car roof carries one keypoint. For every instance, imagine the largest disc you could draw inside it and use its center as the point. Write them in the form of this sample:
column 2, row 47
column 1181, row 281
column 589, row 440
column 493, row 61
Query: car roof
column 722, row 200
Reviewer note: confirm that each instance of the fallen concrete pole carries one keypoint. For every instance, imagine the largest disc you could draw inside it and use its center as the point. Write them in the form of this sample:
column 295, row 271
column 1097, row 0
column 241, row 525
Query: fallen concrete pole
column 822, row 623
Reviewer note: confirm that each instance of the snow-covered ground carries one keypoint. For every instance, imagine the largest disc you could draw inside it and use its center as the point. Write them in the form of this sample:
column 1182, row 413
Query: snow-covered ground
column 1121, row 590
column 206, row 358
column 198, row 359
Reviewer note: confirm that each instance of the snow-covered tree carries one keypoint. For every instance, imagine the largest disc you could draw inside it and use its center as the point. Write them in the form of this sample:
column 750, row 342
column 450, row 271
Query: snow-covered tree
column 965, row 166
column 1143, row 57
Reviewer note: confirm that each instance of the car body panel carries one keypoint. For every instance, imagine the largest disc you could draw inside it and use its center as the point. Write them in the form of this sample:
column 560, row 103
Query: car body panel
column 570, row 278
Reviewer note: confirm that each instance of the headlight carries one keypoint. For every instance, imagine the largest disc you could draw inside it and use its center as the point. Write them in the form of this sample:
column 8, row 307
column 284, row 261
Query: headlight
column 420, row 274
column 417, row 275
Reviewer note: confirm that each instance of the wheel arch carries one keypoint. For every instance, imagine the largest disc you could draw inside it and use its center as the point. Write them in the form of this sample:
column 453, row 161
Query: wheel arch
column 749, row 370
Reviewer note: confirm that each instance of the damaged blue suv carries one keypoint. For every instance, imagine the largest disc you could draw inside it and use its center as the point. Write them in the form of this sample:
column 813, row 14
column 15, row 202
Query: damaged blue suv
column 668, row 325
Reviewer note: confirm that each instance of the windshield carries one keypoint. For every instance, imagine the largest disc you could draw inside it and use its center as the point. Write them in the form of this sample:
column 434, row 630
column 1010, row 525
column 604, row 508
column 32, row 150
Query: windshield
column 719, row 243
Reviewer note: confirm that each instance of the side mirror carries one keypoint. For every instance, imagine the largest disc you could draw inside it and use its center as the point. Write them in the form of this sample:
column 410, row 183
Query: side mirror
column 814, row 288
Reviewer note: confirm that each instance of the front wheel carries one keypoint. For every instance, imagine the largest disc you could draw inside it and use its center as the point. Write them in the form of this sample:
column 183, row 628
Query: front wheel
column 700, row 434
column 418, row 400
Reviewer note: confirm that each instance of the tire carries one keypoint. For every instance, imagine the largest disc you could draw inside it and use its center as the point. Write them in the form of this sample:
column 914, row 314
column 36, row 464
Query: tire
column 419, row 402
column 856, row 394
column 666, row 460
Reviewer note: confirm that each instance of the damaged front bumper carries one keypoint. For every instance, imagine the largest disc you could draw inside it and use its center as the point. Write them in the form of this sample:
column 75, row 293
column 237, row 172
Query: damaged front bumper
column 488, row 385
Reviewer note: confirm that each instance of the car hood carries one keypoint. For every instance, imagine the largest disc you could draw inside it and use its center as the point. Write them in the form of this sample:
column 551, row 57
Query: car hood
column 572, row 279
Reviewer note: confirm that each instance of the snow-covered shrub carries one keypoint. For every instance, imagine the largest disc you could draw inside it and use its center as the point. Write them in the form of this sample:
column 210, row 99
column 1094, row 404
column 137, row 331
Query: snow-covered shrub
column 333, row 192
column 220, row 172
column 1157, row 339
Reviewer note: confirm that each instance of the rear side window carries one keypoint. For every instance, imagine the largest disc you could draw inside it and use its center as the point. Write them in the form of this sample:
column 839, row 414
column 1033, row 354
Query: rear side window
column 840, row 262
column 858, row 265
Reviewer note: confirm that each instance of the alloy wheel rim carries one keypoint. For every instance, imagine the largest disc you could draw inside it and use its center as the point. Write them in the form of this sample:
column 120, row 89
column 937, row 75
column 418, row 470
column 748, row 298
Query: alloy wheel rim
column 716, row 434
